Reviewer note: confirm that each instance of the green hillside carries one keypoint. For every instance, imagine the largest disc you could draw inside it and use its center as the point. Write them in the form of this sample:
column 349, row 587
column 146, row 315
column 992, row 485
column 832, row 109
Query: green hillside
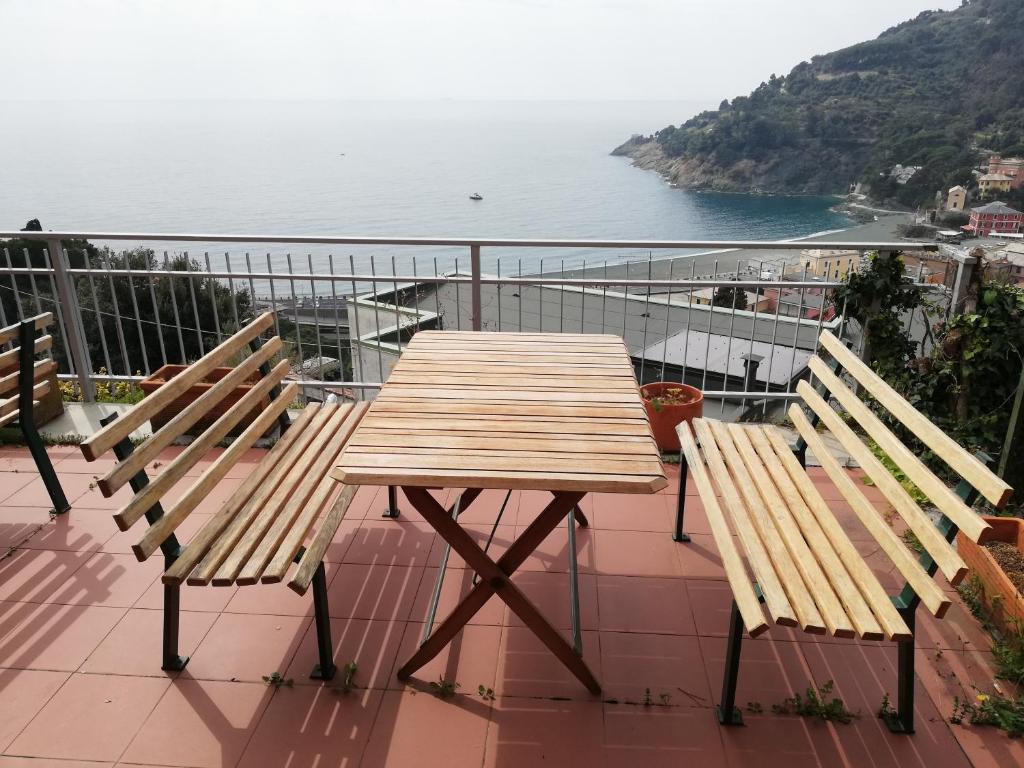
column 935, row 91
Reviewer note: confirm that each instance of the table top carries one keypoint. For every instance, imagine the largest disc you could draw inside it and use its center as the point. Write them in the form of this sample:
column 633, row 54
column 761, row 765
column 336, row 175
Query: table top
column 530, row 411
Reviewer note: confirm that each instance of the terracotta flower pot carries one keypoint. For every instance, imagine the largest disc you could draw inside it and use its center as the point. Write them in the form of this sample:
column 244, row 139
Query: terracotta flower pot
column 665, row 417
column 165, row 373
column 1004, row 602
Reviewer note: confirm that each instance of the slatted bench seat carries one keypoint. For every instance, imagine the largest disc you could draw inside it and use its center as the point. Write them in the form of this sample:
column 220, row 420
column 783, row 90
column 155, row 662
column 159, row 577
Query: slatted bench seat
column 286, row 510
column 803, row 567
column 20, row 392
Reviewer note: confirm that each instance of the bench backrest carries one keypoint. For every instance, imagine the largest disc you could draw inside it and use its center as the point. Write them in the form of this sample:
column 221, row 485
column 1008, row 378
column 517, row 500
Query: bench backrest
column 22, row 353
column 935, row 538
column 265, row 397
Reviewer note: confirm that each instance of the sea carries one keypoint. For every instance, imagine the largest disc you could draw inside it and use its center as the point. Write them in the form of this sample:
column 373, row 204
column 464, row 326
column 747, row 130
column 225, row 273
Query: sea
column 375, row 168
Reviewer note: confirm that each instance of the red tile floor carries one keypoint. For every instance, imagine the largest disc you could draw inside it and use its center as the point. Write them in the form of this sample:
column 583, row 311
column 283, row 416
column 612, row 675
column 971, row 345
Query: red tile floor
column 80, row 636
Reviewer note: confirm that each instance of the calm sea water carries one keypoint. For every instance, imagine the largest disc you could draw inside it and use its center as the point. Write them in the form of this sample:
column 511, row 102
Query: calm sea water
column 377, row 168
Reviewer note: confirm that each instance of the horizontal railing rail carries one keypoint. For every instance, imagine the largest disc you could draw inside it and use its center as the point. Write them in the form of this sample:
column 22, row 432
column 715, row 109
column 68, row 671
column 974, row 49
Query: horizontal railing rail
column 119, row 320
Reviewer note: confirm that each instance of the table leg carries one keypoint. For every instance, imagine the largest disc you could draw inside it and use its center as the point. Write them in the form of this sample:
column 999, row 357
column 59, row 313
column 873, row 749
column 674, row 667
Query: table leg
column 495, row 579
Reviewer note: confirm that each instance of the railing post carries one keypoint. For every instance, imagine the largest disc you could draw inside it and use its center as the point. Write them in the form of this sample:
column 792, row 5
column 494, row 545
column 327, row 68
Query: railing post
column 474, row 263
column 965, row 265
column 73, row 325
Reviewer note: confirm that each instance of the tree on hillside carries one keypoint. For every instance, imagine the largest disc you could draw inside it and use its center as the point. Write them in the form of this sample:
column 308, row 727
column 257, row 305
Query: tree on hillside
column 730, row 296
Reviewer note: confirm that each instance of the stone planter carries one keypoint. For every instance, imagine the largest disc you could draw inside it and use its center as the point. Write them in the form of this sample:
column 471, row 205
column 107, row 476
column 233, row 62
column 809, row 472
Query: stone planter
column 1004, row 602
column 165, row 373
column 665, row 418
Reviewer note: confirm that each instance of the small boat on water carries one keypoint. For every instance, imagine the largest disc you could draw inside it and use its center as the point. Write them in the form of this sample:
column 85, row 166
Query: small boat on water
column 476, row 196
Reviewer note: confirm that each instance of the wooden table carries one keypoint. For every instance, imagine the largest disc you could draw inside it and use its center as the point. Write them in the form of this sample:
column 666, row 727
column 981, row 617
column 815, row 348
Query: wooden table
column 514, row 411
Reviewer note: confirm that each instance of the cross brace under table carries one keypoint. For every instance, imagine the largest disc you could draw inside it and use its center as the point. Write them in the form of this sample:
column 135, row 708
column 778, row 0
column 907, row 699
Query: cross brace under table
column 494, row 578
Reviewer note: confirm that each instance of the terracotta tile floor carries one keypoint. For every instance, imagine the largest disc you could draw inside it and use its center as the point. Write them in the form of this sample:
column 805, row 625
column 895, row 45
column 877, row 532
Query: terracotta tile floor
column 80, row 682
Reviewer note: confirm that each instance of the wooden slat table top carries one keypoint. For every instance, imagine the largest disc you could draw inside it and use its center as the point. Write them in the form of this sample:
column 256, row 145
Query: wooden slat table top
column 528, row 411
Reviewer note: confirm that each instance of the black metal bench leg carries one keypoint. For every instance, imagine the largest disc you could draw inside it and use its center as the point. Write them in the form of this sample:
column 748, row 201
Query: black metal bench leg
column 728, row 713
column 321, row 615
column 902, row 720
column 392, row 510
column 172, row 661
column 678, row 535
column 45, row 467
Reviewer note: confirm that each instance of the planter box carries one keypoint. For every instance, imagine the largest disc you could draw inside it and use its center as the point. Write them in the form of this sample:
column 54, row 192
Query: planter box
column 1004, row 603
column 665, row 419
column 52, row 404
column 162, row 375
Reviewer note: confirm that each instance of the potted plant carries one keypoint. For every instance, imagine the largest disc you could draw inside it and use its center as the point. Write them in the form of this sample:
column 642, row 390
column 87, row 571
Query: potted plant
column 165, row 373
column 668, row 405
column 998, row 565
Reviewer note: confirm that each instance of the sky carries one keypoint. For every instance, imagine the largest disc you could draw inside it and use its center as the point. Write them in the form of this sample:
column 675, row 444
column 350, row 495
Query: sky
column 701, row 50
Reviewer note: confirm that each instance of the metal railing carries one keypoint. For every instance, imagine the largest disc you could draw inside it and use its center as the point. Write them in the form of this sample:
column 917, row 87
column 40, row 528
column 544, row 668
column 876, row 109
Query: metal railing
column 128, row 312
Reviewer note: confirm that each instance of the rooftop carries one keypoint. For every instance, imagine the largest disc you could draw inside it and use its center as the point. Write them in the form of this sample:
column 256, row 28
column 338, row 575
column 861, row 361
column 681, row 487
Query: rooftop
column 996, row 207
column 80, row 630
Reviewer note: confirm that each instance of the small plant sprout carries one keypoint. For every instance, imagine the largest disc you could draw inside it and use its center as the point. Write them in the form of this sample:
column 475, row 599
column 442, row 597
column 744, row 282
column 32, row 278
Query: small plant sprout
column 444, row 689
column 647, row 700
column 485, row 693
column 817, row 704
column 275, row 680
column 348, row 680
column 754, row 707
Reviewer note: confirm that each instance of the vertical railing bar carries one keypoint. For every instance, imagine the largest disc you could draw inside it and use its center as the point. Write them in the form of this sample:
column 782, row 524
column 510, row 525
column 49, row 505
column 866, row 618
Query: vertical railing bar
column 458, row 299
column 337, row 320
column 775, row 335
column 138, row 315
column 398, row 316
column 99, row 318
column 376, row 317
column 522, row 294
column 355, row 323
column 689, row 320
column 174, row 308
column 295, row 312
column 647, row 316
column 707, row 349
column 668, row 313
column 61, row 320
column 273, row 297
column 77, row 349
column 117, row 319
column 231, row 290
column 213, row 298
column 316, row 316
column 32, row 282
column 753, row 331
column 498, row 291
column 476, row 290
column 14, row 286
column 416, row 295
column 583, row 299
column 437, row 299
column 195, row 305
column 561, row 298
column 252, row 291
column 3, row 312
column 156, row 311
column 540, row 300
column 728, row 344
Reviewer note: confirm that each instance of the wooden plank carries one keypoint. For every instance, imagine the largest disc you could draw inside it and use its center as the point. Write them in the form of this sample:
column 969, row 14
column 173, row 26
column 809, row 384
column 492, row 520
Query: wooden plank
column 355, row 457
column 163, row 437
column 829, row 606
column 429, row 335
column 542, row 437
column 584, row 411
column 867, row 583
column 10, row 405
column 624, row 427
column 41, row 370
column 206, row 482
column 592, row 359
column 834, row 570
column 243, row 519
column 304, row 502
column 990, row 485
column 932, row 597
column 107, row 437
column 743, row 591
column 262, row 475
column 517, row 366
column 509, row 395
column 13, row 356
column 176, row 469
column 316, row 549
column 776, row 600
column 522, row 381
column 949, row 562
column 563, row 444
column 952, row 506
column 13, row 332
column 537, row 480
column 809, row 618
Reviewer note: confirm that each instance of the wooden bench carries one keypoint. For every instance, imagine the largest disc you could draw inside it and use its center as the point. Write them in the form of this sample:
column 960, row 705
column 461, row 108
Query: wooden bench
column 802, row 565
column 274, row 517
column 21, row 391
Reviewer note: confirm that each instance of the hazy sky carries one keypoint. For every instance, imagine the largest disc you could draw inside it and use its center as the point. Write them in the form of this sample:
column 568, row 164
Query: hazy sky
column 422, row 49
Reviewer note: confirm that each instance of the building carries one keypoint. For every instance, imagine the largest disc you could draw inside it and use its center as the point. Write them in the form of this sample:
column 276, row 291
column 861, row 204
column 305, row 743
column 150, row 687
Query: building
column 1013, row 167
column 1007, row 264
column 828, row 264
column 995, row 218
column 755, row 303
column 956, row 200
column 994, row 183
